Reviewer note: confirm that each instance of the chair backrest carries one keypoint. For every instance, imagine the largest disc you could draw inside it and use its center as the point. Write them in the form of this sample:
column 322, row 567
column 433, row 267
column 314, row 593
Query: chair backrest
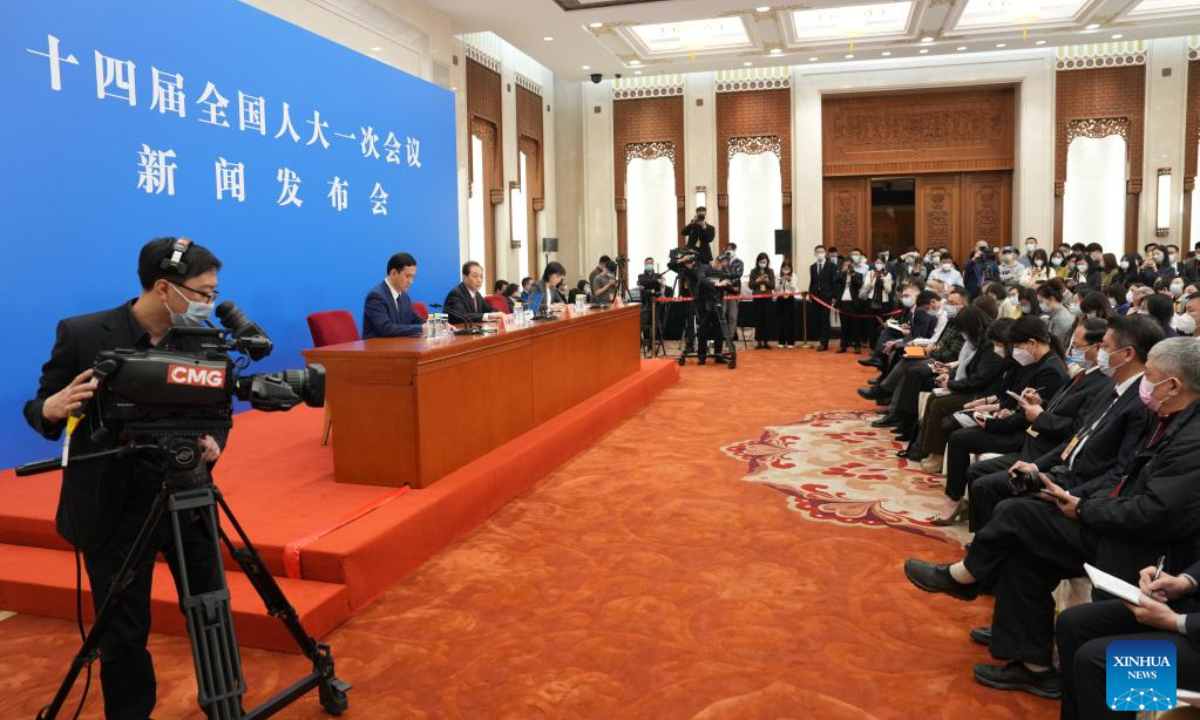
column 421, row 310
column 497, row 303
column 332, row 327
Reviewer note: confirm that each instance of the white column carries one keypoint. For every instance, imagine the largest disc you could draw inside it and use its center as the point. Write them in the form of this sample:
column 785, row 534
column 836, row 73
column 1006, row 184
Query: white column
column 1166, row 122
column 599, row 192
column 548, row 218
column 700, row 142
column 567, row 119
column 506, row 257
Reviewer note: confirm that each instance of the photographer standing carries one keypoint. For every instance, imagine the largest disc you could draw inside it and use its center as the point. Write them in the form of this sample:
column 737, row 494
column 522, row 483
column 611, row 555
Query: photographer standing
column 734, row 269
column 650, row 287
column 700, row 235
column 762, row 281
column 709, row 288
column 103, row 504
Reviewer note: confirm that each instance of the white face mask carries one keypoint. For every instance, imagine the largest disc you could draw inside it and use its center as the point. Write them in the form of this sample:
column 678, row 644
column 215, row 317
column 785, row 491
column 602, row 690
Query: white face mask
column 763, row 264
column 947, row 267
column 1185, row 324
column 820, row 257
column 1129, row 296
column 1039, row 262
column 1030, row 247
column 1176, row 289
column 879, row 266
column 1103, row 362
column 1056, row 261
column 732, row 255
column 998, row 349
column 1124, row 264
column 1023, row 357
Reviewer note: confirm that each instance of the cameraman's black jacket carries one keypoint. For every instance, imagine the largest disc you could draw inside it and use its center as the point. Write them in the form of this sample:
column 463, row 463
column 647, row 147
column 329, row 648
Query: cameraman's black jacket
column 92, row 494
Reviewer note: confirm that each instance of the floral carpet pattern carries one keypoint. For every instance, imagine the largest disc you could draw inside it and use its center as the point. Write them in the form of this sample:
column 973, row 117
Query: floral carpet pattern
column 835, row 467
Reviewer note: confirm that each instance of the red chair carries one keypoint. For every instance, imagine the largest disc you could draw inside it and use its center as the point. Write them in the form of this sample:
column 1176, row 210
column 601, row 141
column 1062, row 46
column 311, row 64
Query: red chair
column 421, row 310
column 497, row 303
column 332, row 327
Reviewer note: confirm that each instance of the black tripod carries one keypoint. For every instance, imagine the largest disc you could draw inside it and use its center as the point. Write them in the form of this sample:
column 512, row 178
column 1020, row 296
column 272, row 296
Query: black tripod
column 725, row 337
column 188, row 495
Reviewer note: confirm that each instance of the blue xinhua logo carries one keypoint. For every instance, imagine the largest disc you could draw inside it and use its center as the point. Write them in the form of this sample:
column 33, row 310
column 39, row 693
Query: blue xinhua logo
column 1141, row 675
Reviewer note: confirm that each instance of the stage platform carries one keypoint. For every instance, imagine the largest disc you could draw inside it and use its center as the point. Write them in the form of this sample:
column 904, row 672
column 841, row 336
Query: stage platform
column 333, row 546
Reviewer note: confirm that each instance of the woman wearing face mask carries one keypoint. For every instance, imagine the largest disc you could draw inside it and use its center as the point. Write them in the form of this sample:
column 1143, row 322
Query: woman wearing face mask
column 876, row 298
column 1130, row 267
column 785, row 304
column 762, row 282
column 1027, row 301
column 847, row 285
column 1176, row 289
column 1011, row 307
column 1039, row 270
column 1058, row 266
column 1110, row 272
column 1042, row 370
column 1162, row 310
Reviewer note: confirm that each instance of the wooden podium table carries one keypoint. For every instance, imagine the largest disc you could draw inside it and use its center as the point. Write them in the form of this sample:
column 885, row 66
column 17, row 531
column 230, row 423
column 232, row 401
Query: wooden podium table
column 410, row 410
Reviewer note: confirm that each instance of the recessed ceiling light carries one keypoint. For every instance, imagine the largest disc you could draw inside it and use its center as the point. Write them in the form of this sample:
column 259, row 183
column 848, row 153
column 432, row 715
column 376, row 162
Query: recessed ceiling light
column 850, row 56
column 1040, row 42
column 548, row 39
column 927, row 39
column 763, row 8
column 962, row 47
column 999, row 45
column 813, row 59
column 1117, row 36
column 587, row 67
column 635, row 62
column 776, row 51
column 376, row 49
column 747, row 64
column 887, row 53
column 1093, row 26
column 637, row 72
column 924, row 50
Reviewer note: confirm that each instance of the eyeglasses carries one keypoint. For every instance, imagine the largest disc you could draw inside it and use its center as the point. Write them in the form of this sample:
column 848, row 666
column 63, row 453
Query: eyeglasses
column 210, row 297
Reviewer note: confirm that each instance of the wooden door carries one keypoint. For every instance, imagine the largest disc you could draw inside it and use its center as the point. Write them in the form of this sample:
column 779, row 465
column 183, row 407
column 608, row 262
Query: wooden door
column 987, row 210
column 939, row 212
column 847, row 218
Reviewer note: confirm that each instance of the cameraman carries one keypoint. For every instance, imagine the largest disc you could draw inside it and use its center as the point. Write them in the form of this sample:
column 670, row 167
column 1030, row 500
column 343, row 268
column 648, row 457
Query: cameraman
column 735, row 269
column 700, row 235
column 103, row 504
column 710, row 288
column 650, row 287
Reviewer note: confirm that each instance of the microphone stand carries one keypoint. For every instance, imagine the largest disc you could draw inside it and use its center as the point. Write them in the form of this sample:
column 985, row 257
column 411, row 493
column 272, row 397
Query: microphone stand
column 470, row 329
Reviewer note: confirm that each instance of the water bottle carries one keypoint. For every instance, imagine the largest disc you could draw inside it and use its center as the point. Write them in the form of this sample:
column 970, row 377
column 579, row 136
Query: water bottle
column 427, row 328
column 518, row 314
column 444, row 325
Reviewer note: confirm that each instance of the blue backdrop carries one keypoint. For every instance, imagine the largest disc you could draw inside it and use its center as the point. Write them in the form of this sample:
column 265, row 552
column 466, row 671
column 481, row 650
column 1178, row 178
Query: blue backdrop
column 132, row 119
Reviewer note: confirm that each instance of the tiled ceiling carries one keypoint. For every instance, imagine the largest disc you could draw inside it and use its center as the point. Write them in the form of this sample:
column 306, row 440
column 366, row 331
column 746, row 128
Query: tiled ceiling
column 575, row 38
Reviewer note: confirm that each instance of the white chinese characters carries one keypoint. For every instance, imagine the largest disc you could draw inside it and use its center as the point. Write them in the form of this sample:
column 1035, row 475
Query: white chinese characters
column 156, row 171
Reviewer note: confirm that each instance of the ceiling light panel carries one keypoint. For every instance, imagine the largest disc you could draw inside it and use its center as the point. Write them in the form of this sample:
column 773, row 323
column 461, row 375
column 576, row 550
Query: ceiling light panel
column 1162, row 7
column 1017, row 13
column 689, row 36
column 853, row 22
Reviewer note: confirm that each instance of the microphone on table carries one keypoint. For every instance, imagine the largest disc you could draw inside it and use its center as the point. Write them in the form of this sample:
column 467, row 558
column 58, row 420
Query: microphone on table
column 470, row 329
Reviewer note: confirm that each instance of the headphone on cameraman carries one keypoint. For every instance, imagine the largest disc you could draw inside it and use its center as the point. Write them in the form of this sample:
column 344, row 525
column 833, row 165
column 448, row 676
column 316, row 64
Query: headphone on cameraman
column 175, row 263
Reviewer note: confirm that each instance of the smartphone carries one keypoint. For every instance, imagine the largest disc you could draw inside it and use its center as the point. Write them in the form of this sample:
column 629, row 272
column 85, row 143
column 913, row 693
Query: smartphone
column 1016, row 396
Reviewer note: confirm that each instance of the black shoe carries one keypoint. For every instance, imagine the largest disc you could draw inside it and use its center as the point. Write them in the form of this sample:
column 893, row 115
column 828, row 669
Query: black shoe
column 936, row 579
column 883, row 400
column 886, row 421
column 701, row 360
column 871, row 362
column 875, row 380
column 1015, row 676
column 982, row 636
column 906, row 436
column 682, row 360
column 823, row 348
column 719, row 359
column 858, row 350
column 766, row 346
column 732, row 362
column 842, row 349
column 871, row 393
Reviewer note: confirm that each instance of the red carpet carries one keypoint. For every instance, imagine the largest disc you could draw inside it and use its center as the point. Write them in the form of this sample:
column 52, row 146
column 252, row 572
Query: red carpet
column 644, row 579
column 334, row 546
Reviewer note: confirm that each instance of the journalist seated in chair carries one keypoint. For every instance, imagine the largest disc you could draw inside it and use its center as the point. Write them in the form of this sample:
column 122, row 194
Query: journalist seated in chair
column 464, row 303
column 547, row 287
column 1092, row 427
column 388, row 311
column 1149, row 510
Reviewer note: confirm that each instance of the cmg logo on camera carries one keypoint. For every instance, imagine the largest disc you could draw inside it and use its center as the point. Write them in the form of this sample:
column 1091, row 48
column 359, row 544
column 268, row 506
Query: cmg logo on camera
column 196, row 376
column 1140, row 675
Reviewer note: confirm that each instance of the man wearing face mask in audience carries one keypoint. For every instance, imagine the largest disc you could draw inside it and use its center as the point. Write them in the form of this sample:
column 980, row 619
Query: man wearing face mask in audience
column 821, row 275
column 1010, row 271
column 103, row 504
column 1031, row 246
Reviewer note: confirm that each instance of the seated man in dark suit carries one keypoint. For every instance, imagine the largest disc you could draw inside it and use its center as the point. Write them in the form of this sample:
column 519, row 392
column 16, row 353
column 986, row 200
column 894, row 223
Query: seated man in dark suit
column 388, row 311
column 464, row 303
column 1054, row 422
column 1150, row 509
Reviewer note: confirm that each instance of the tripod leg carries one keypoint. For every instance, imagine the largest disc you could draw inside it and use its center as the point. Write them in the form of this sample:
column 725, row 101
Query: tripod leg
column 124, row 577
column 209, row 614
column 331, row 690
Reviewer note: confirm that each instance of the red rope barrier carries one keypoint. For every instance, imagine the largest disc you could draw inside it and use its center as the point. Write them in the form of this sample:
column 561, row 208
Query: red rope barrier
column 802, row 296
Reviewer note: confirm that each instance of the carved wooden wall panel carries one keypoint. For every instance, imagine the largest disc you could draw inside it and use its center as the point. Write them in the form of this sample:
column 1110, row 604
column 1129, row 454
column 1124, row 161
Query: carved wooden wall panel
column 939, row 213
column 1190, row 139
column 987, row 210
column 639, row 121
column 758, row 113
column 918, row 132
column 1111, row 92
column 847, row 213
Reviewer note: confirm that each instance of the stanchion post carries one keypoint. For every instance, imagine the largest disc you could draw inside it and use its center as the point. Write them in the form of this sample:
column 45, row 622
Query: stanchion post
column 804, row 318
